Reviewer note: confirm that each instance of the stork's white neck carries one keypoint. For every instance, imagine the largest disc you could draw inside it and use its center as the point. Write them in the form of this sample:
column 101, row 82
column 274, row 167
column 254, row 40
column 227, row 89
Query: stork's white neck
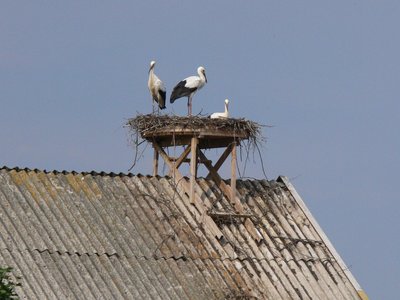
column 151, row 70
column 201, row 75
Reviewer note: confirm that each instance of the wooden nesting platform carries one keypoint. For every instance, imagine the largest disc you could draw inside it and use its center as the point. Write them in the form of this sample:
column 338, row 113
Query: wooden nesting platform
column 208, row 137
column 171, row 131
column 195, row 134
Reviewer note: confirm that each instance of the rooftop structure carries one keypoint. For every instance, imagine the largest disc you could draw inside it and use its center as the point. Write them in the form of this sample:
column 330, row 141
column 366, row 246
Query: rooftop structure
column 71, row 235
column 95, row 235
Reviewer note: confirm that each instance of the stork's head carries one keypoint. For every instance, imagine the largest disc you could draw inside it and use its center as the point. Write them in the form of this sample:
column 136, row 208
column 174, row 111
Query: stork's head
column 152, row 64
column 201, row 70
column 226, row 101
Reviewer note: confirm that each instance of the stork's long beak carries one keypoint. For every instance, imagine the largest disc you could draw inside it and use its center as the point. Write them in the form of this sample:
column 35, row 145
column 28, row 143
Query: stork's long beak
column 204, row 73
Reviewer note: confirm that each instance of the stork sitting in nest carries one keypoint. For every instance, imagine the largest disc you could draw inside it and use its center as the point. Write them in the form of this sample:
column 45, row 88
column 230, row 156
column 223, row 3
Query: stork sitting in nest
column 220, row 115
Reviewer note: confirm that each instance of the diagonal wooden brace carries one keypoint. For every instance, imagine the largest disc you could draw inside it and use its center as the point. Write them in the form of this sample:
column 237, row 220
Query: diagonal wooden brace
column 184, row 185
column 180, row 159
column 221, row 160
column 232, row 198
column 221, row 184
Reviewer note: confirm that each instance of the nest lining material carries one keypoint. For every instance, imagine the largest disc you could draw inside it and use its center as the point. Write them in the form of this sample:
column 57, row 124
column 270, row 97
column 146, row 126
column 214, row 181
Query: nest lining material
column 150, row 123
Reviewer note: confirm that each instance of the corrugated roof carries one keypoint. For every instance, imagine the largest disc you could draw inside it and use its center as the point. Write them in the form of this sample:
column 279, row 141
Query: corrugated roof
column 97, row 235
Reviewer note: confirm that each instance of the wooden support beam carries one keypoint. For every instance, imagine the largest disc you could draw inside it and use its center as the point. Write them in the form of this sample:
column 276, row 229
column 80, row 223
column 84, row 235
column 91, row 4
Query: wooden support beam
column 234, row 200
column 221, row 184
column 180, row 159
column 233, row 171
column 167, row 160
column 184, row 186
column 193, row 167
column 155, row 163
column 221, row 160
column 187, row 160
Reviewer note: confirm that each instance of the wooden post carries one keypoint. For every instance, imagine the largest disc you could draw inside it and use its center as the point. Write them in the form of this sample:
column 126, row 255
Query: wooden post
column 155, row 162
column 233, row 171
column 193, row 166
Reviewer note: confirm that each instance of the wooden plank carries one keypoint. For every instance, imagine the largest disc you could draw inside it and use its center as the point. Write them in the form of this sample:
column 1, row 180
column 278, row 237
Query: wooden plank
column 223, row 157
column 210, row 142
column 187, row 160
column 155, row 163
column 221, row 184
column 182, row 184
column 167, row 160
column 200, row 132
column 193, row 167
column 204, row 143
column 183, row 156
column 233, row 171
column 180, row 159
column 221, row 160
column 232, row 197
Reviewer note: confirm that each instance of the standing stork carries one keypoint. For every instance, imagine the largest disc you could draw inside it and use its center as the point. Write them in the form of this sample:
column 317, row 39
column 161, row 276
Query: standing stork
column 156, row 88
column 188, row 87
column 219, row 115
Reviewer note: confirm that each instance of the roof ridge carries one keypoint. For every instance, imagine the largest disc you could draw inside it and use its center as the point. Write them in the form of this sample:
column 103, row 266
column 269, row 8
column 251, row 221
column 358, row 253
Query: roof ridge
column 114, row 174
column 65, row 172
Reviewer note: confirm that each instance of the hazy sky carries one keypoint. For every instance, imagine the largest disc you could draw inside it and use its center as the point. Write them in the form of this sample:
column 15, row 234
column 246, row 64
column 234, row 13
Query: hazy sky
column 324, row 74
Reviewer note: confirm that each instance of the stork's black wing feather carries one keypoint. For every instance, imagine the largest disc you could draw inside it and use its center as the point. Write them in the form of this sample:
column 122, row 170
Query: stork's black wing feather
column 180, row 90
column 161, row 102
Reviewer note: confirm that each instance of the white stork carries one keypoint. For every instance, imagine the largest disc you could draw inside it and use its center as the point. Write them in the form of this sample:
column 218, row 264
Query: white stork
column 156, row 88
column 188, row 87
column 220, row 115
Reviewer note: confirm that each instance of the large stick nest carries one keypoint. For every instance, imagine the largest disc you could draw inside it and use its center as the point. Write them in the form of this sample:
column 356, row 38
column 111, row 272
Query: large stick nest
column 149, row 124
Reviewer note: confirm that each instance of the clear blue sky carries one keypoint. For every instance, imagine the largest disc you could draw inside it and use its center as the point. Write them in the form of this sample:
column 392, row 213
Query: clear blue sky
column 324, row 74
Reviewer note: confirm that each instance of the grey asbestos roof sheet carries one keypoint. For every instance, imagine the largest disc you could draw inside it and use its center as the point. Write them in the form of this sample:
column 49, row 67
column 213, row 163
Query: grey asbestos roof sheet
column 95, row 235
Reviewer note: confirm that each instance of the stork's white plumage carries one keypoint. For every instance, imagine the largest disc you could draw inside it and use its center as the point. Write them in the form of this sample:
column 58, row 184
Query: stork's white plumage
column 188, row 87
column 156, row 88
column 221, row 115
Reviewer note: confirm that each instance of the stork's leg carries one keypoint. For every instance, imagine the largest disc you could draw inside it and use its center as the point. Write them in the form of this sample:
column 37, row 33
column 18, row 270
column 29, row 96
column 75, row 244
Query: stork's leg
column 190, row 105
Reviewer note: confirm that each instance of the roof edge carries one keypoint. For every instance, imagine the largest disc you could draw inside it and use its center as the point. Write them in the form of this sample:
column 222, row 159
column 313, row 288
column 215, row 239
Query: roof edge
column 323, row 236
column 110, row 174
column 94, row 173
